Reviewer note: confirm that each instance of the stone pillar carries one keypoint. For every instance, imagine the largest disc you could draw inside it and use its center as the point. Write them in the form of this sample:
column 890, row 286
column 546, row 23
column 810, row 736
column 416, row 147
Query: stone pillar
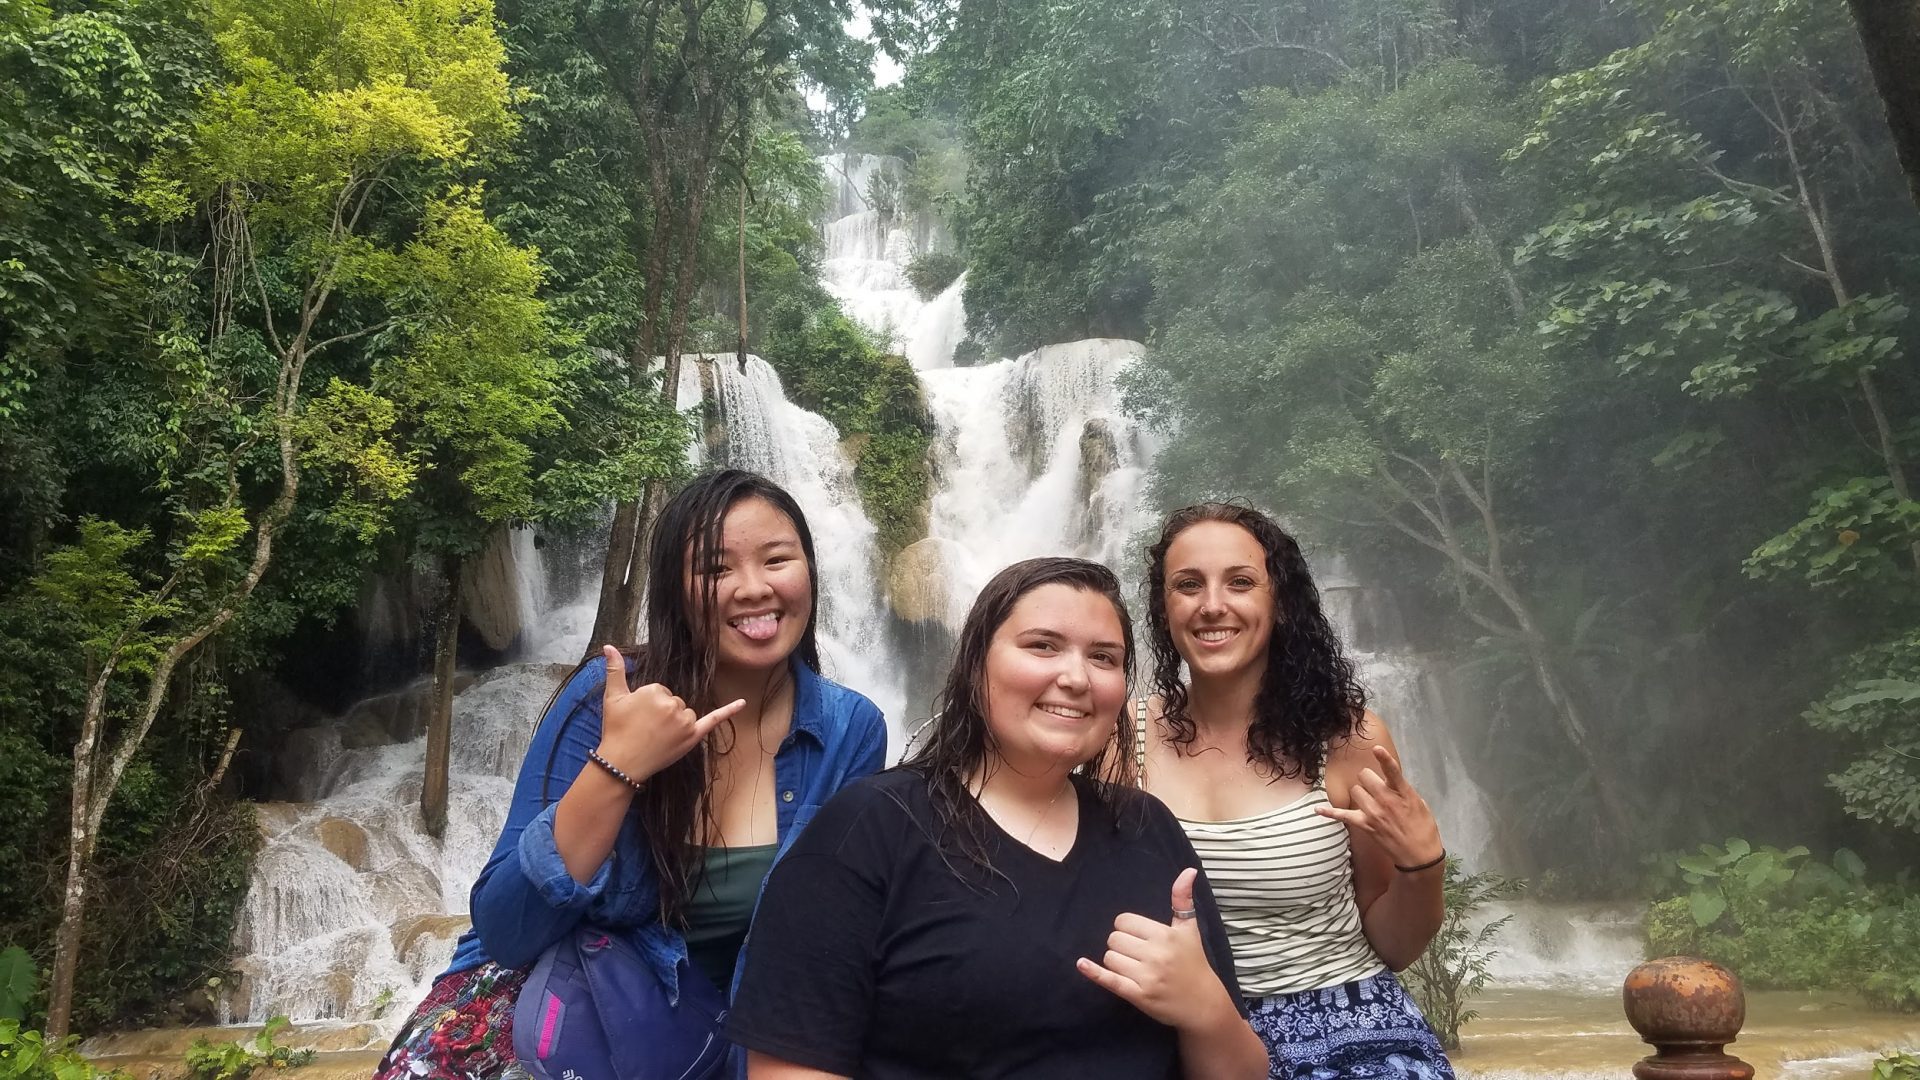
column 1689, row 1010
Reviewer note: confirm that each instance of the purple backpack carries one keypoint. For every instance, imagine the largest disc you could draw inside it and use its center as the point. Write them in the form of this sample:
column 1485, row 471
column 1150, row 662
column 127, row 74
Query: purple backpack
column 592, row 1009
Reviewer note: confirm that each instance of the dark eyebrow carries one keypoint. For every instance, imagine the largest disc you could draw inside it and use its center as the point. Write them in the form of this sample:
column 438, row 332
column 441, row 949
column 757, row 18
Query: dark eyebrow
column 1230, row 569
column 779, row 542
column 1054, row 635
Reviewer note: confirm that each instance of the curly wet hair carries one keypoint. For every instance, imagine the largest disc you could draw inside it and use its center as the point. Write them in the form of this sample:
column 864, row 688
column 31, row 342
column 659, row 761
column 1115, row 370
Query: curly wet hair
column 1309, row 698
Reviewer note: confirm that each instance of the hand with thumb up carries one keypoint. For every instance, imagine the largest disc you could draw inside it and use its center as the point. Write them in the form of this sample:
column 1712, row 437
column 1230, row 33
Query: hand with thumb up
column 645, row 730
column 1161, row 967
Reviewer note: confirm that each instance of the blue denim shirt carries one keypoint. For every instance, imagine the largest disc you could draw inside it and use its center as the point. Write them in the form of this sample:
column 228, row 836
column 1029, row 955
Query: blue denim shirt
column 524, row 900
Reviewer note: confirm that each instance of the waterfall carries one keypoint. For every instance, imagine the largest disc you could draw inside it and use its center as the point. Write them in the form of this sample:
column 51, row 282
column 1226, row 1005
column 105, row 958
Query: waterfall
column 351, row 904
column 353, row 909
column 1033, row 455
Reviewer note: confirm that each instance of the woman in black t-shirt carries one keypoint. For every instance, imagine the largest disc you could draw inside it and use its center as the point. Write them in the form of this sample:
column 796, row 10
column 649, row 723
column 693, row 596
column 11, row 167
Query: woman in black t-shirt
column 944, row 918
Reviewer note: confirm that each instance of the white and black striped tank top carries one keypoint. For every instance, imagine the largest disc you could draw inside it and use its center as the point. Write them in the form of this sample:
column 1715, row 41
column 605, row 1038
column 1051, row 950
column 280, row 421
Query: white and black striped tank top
column 1283, row 881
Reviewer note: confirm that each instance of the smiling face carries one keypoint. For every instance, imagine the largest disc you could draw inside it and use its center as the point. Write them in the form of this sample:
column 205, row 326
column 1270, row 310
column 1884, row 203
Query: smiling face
column 1055, row 678
column 1220, row 599
column 762, row 588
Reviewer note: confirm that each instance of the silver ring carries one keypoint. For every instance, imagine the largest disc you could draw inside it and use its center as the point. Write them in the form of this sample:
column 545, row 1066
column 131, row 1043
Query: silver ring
column 1186, row 913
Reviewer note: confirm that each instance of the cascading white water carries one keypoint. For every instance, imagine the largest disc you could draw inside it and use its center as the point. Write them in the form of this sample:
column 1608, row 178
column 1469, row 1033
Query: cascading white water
column 351, row 903
column 1033, row 455
column 869, row 241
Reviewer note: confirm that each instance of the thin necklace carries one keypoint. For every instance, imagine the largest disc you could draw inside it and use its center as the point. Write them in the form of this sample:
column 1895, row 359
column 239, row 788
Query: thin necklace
column 1042, row 819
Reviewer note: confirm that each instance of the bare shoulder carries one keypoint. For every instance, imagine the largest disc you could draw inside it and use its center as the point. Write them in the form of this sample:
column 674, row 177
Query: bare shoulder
column 1348, row 756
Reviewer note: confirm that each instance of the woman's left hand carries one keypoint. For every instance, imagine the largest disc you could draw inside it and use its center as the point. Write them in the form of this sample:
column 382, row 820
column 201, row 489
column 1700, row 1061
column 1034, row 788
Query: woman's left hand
column 1384, row 805
column 1161, row 968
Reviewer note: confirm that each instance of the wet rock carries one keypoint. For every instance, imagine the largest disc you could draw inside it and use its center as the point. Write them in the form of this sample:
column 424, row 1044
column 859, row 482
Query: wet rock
column 490, row 594
column 1099, row 455
column 413, row 937
column 305, row 760
column 275, row 818
column 917, row 585
column 344, row 838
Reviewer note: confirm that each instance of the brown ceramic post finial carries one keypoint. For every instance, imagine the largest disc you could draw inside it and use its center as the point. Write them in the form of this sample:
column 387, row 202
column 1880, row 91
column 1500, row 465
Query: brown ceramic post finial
column 1689, row 1010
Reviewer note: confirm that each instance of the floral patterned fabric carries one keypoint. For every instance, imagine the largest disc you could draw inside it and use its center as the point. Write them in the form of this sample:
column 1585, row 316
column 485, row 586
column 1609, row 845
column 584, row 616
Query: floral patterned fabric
column 1362, row 1030
column 462, row 1031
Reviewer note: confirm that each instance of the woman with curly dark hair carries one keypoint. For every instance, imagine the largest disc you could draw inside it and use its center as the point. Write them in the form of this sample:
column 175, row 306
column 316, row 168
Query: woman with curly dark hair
column 1325, row 861
column 1003, row 904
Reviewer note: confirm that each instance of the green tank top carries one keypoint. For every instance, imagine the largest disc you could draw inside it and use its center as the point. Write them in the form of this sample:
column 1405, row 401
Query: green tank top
column 722, row 905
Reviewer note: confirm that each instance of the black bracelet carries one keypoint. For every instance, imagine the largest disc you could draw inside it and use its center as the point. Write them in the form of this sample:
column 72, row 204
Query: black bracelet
column 1396, row 866
column 637, row 785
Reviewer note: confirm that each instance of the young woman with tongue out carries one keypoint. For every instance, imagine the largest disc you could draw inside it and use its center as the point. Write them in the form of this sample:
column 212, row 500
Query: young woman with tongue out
column 664, row 781
column 997, row 906
column 1325, row 860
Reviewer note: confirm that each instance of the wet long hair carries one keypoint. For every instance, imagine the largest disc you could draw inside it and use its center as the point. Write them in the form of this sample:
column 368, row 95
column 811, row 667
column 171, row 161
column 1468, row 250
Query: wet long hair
column 1309, row 698
column 958, row 743
column 678, row 652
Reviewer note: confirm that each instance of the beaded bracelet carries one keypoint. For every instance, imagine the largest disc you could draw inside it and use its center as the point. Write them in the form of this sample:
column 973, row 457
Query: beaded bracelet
column 1417, row 869
column 614, row 770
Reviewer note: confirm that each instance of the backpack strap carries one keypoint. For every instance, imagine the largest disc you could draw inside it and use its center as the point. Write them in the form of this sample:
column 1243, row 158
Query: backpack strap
column 1139, row 742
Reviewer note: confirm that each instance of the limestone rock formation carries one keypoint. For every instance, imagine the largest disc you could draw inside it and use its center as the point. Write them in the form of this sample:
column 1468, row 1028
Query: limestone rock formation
column 917, row 583
column 489, row 594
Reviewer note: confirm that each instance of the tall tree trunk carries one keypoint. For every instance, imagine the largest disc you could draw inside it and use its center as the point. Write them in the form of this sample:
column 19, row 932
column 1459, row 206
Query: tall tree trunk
column 740, row 351
column 446, row 650
column 66, row 941
column 1890, row 33
column 678, row 310
column 616, row 620
column 612, row 622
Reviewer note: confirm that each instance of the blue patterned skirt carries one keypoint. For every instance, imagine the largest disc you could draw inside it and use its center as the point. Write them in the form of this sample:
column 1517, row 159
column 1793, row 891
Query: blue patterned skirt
column 1364, row 1029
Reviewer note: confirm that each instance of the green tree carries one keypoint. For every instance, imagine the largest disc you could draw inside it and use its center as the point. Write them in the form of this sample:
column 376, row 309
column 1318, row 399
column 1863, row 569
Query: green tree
column 324, row 109
column 1739, row 233
column 473, row 388
column 1369, row 322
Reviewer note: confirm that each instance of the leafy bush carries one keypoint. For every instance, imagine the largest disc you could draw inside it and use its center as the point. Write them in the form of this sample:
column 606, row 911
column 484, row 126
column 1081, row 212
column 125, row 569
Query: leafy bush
column 25, row 1055
column 19, row 981
column 1897, row 1067
column 930, row 272
column 237, row 1060
column 895, row 484
column 831, row 366
column 1873, row 708
column 1454, row 967
column 1783, row 920
column 969, row 353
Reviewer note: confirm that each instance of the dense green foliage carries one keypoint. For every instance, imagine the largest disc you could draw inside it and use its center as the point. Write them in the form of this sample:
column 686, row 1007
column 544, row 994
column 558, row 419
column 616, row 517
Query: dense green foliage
column 1586, row 331
column 1900, row 1066
column 26, row 1055
column 832, row 366
column 931, row 272
column 1784, row 920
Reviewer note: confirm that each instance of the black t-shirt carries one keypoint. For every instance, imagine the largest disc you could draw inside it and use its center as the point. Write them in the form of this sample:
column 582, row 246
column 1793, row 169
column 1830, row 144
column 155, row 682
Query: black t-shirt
column 871, row 957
